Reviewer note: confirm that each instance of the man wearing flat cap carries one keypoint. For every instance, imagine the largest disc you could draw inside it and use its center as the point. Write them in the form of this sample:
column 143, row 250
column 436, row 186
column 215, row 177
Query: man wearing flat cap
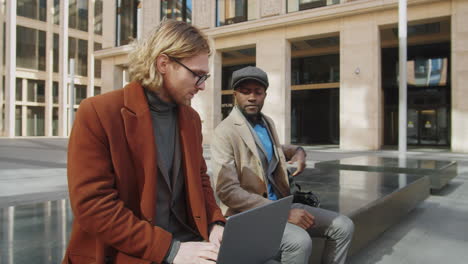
column 249, row 168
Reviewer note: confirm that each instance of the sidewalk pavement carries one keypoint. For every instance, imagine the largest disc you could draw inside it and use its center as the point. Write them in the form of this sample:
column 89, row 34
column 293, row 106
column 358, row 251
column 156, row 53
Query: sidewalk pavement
column 34, row 170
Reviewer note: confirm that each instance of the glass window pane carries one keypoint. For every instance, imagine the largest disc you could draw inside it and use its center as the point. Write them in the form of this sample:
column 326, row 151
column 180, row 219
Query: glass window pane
column 97, row 90
column 19, row 89
column 80, row 93
column 56, row 51
column 83, row 15
column 98, row 17
column 18, row 125
column 82, row 63
column 126, row 21
column 55, row 92
column 36, row 91
column 35, row 121
column 97, row 63
column 55, row 121
column 315, row 69
column 57, row 12
column 30, row 48
column 72, row 16
column 72, row 51
column 35, row 9
column 180, row 10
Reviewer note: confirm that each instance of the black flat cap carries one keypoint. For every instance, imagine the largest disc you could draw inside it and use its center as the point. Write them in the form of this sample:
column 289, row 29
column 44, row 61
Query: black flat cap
column 249, row 73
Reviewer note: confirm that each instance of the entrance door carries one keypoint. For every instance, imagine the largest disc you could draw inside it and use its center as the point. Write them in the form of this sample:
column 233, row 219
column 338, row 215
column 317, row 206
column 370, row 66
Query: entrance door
column 428, row 127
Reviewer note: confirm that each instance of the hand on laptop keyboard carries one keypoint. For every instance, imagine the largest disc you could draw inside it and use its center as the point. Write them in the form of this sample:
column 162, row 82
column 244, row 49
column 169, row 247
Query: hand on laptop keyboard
column 196, row 253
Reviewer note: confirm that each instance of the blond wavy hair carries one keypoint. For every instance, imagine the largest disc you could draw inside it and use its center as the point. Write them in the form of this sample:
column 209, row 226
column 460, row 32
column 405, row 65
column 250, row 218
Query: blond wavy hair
column 176, row 39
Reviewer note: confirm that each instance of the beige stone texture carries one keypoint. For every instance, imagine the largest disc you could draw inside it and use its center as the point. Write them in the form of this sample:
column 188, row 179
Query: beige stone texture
column 203, row 13
column 273, row 56
column 208, row 102
column 151, row 15
column 270, row 8
column 360, row 88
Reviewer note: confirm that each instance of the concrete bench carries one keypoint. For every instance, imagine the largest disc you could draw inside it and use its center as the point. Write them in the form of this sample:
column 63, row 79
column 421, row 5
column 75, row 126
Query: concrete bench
column 439, row 172
column 373, row 200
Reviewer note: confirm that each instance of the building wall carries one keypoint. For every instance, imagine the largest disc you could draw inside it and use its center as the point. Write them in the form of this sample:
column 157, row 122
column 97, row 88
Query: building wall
column 28, row 122
column 358, row 24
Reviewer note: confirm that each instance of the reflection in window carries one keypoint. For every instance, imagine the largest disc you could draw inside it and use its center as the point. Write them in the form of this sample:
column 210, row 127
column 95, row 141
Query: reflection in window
column 97, row 90
column 316, row 69
column 30, row 48
column 78, row 14
column 35, row 9
column 55, row 92
column 299, row 5
column 56, row 12
column 36, row 91
column 55, row 65
column 427, row 72
column 19, row 89
column 18, row 117
column 235, row 11
column 180, row 10
column 55, row 120
column 97, row 63
column 78, row 50
column 98, row 17
column 126, row 21
column 35, row 121
column 80, row 93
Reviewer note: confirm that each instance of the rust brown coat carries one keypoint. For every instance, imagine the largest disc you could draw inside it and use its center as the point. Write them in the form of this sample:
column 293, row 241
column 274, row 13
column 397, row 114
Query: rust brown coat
column 112, row 180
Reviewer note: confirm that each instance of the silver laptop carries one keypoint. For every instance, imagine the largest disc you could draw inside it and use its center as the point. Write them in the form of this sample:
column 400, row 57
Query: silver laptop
column 254, row 236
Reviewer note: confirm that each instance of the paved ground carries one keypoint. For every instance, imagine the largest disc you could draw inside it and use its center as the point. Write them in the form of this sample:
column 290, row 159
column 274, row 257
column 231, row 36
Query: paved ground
column 34, row 170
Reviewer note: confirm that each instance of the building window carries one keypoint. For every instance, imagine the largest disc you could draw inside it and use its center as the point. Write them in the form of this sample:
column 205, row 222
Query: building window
column 80, row 93
column 55, row 120
column 19, row 89
column 30, row 48
column 35, row 121
column 35, row 9
column 78, row 14
column 18, row 118
column 299, row 5
column 56, row 12
column 315, row 69
column 126, row 21
column 97, row 63
column 36, row 91
column 235, row 11
column 55, row 65
column 97, row 90
column 78, row 50
column 98, row 17
column 55, row 92
column 180, row 10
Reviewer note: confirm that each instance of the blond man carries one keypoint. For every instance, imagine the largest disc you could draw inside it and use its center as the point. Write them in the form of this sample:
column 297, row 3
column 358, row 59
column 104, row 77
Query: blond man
column 136, row 175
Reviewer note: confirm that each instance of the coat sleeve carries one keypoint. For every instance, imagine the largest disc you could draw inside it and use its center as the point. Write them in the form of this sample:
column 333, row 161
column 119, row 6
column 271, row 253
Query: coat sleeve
column 226, row 175
column 94, row 198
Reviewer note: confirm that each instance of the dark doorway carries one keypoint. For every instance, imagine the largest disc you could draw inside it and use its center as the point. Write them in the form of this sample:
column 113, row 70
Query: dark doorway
column 315, row 116
column 428, row 94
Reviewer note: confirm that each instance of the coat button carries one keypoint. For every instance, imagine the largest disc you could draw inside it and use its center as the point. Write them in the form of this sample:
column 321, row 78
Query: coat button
column 265, row 195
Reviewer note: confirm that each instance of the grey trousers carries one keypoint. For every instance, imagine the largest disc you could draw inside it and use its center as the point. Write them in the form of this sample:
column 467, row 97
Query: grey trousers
column 336, row 229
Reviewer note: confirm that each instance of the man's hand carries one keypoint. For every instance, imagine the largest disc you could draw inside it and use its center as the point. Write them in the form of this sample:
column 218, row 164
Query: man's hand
column 301, row 217
column 216, row 235
column 300, row 158
column 196, row 253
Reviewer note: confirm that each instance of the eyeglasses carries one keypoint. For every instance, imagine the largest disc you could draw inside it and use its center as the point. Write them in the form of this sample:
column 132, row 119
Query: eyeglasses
column 201, row 78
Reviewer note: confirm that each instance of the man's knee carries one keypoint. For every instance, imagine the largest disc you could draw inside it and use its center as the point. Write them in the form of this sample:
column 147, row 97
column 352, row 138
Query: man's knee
column 297, row 239
column 343, row 226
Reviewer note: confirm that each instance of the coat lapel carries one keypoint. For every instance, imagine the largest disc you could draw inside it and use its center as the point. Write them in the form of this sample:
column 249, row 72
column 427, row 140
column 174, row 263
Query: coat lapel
column 244, row 131
column 139, row 133
column 191, row 153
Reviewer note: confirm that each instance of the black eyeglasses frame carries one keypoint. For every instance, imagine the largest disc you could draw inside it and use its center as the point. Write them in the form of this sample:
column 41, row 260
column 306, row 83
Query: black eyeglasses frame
column 201, row 78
